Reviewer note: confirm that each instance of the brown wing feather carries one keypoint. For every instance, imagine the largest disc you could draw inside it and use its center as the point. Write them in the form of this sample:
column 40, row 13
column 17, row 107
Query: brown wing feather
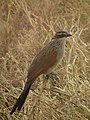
column 42, row 62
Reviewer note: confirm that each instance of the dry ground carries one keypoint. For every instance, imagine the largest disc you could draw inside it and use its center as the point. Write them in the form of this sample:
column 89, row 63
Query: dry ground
column 25, row 27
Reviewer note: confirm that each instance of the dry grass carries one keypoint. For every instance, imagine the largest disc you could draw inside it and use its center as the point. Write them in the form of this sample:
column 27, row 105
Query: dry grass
column 25, row 27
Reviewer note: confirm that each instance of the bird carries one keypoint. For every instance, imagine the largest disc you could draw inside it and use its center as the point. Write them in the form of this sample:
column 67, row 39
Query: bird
column 43, row 63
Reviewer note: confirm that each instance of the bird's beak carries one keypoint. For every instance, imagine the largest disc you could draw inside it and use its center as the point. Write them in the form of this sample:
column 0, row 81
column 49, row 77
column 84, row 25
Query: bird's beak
column 69, row 34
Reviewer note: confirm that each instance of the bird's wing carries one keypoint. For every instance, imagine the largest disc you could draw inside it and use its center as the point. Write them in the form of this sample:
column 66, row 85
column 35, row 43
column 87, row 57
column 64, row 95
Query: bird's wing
column 42, row 62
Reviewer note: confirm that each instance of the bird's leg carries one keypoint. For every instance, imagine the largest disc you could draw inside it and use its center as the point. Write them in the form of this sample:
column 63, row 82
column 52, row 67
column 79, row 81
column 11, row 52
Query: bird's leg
column 52, row 75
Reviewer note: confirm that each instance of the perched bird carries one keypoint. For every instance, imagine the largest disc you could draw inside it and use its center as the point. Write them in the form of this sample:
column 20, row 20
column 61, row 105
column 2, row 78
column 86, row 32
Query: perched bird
column 43, row 63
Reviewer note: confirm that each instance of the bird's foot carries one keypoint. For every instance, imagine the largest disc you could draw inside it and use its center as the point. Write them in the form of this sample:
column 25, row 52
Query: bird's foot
column 52, row 75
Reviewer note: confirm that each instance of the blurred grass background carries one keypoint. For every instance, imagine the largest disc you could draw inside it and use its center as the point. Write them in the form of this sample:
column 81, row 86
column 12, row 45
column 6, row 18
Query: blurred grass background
column 25, row 27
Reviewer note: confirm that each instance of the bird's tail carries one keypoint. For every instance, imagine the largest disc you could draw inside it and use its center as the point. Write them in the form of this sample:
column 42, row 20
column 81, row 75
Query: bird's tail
column 20, row 101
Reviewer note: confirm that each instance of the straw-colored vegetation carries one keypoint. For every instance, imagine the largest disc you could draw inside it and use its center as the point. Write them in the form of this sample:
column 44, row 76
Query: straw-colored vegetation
column 25, row 27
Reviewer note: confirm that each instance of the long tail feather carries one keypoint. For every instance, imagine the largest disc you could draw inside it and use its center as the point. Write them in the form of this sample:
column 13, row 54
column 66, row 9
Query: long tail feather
column 20, row 101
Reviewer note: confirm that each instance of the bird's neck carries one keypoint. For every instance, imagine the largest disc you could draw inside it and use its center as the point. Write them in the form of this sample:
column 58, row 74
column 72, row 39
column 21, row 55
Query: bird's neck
column 61, row 42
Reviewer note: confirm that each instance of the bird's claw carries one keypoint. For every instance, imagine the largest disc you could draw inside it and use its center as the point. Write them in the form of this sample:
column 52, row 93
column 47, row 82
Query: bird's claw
column 52, row 75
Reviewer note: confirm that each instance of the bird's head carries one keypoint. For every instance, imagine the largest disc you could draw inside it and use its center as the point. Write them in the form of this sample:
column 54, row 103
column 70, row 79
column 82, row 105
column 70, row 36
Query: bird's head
column 62, row 34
